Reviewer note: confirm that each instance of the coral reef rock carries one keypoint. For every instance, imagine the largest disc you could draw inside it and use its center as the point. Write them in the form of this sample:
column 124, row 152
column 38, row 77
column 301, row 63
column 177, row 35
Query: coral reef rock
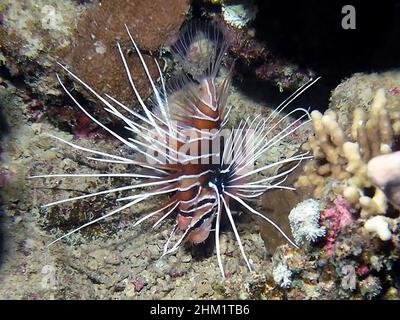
column 95, row 57
column 34, row 35
column 239, row 15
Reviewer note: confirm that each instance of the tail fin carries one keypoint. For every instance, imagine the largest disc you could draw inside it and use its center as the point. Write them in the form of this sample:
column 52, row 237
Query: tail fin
column 201, row 48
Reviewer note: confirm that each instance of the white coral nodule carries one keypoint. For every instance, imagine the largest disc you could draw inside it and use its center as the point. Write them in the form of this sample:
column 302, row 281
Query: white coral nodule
column 239, row 15
column 282, row 276
column 304, row 221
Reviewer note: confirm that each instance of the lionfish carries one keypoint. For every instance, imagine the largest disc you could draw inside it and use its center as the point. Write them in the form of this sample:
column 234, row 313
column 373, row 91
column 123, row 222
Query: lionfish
column 185, row 150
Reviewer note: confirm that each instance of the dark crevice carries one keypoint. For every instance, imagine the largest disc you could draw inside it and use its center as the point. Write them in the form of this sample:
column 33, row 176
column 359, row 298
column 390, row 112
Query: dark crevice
column 311, row 36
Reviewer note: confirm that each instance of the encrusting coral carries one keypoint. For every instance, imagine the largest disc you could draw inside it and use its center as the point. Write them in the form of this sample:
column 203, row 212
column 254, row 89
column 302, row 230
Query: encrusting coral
column 95, row 55
column 336, row 218
column 342, row 155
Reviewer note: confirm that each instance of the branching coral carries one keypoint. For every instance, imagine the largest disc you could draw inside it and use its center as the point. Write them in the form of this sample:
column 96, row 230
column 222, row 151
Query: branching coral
column 380, row 226
column 342, row 155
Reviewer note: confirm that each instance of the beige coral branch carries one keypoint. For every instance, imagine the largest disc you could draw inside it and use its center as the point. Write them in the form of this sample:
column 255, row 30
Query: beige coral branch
column 342, row 155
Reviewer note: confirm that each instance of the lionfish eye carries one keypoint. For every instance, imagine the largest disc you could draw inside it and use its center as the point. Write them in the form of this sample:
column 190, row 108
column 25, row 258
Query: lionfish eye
column 218, row 180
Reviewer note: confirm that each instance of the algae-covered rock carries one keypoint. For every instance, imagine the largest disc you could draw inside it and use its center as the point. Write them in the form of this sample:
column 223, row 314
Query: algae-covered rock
column 34, row 35
column 359, row 91
column 95, row 57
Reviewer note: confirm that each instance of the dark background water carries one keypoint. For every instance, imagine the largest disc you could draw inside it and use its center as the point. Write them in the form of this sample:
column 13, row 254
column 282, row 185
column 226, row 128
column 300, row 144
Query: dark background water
column 310, row 34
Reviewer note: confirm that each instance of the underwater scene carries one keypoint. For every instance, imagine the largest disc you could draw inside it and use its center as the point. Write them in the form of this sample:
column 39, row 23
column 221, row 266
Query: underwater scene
column 199, row 150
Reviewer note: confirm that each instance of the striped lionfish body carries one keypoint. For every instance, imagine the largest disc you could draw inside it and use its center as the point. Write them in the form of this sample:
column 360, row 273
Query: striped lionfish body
column 185, row 150
column 196, row 208
column 198, row 120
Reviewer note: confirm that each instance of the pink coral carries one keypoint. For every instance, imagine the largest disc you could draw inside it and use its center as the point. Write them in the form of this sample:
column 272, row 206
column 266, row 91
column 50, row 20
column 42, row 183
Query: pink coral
column 394, row 91
column 338, row 216
column 35, row 108
column 139, row 285
column 363, row 270
column 83, row 128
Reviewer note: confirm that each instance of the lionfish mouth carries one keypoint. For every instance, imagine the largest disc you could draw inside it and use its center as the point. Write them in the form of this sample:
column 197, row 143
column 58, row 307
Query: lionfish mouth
column 188, row 153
